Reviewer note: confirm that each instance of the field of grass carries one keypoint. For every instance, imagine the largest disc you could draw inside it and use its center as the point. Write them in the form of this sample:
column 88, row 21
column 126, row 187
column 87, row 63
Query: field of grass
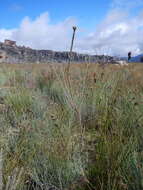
column 81, row 130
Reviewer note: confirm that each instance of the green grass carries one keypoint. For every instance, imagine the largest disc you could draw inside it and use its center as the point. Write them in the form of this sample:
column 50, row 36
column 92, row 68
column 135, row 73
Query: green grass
column 72, row 132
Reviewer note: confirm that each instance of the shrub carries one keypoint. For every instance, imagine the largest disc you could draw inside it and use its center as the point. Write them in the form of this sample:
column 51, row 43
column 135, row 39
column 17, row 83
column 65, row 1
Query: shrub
column 80, row 135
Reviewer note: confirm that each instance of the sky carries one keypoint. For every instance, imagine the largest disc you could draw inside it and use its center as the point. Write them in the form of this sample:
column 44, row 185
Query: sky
column 112, row 27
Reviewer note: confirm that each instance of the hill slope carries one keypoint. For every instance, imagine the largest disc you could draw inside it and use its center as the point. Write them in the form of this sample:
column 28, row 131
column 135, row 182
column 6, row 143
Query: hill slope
column 137, row 58
column 21, row 54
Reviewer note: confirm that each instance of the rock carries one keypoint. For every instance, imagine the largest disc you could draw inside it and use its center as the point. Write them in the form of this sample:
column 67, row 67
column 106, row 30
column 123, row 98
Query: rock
column 122, row 62
column 21, row 54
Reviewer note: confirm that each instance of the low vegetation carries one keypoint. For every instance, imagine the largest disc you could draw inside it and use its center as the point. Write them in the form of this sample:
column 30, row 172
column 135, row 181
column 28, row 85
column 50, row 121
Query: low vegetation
column 81, row 131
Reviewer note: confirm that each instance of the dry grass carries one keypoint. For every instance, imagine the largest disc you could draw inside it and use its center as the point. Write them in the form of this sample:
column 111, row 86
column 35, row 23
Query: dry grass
column 80, row 132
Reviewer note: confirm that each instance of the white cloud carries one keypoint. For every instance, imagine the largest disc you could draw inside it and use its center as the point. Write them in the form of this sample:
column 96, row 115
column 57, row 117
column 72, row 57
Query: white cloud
column 16, row 7
column 41, row 34
column 5, row 34
column 117, row 34
column 126, row 4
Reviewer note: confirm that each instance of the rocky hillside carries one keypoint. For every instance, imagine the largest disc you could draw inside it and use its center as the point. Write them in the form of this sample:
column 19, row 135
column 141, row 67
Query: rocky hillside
column 137, row 59
column 21, row 54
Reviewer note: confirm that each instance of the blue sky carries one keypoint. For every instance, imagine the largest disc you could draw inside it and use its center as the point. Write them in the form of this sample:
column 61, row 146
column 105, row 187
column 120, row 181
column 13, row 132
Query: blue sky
column 104, row 26
column 88, row 12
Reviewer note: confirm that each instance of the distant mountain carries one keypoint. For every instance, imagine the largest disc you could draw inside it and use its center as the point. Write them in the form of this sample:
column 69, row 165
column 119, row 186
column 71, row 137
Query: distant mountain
column 137, row 58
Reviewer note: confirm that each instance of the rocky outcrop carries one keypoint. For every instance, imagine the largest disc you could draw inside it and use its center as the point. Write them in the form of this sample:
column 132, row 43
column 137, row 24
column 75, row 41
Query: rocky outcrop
column 21, row 54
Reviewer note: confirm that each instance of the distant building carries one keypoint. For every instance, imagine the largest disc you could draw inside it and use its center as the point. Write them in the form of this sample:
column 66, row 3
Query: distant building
column 10, row 43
